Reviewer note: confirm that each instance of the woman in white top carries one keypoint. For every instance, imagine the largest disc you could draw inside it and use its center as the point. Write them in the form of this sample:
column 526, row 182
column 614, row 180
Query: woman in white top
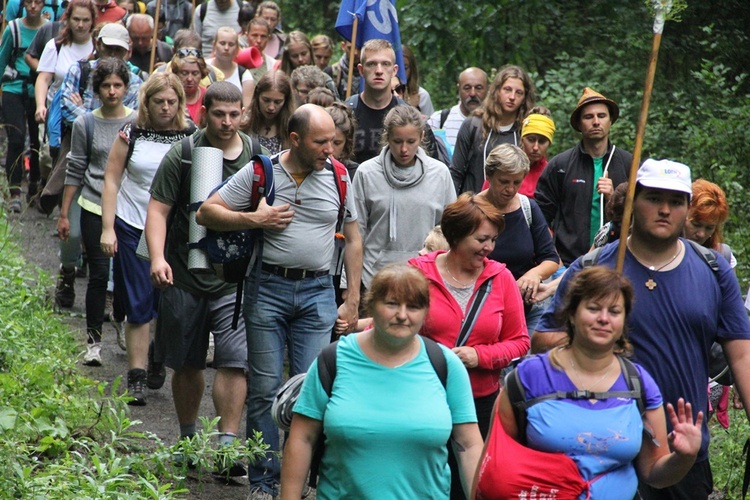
column 133, row 160
column 72, row 44
column 225, row 49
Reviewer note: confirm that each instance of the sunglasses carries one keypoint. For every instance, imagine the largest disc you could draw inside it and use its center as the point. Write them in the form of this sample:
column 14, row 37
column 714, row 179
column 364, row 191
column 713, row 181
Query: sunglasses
column 190, row 53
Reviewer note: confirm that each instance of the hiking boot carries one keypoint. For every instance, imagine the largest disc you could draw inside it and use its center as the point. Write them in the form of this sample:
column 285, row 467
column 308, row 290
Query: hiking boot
column 119, row 327
column 156, row 371
column 14, row 205
column 93, row 356
column 65, row 293
column 137, row 387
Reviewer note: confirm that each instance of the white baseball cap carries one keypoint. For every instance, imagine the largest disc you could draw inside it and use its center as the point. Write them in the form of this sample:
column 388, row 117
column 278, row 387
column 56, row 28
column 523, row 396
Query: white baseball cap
column 665, row 174
column 115, row 35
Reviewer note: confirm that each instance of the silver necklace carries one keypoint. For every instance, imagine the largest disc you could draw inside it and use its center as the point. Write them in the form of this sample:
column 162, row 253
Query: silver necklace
column 447, row 268
column 578, row 374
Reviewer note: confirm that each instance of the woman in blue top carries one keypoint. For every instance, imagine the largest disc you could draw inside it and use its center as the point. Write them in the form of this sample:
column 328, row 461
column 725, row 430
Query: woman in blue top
column 388, row 418
column 602, row 436
column 18, row 96
column 525, row 246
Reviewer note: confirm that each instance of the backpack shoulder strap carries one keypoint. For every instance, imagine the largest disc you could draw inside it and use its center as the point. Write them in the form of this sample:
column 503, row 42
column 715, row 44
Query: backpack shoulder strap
column 340, row 174
column 591, row 258
column 83, row 81
column 517, row 397
column 708, row 256
column 444, row 116
column 134, row 133
column 526, row 208
column 635, row 384
column 475, row 306
column 88, row 123
column 203, row 9
column 327, row 367
column 437, row 360
column 263, row 182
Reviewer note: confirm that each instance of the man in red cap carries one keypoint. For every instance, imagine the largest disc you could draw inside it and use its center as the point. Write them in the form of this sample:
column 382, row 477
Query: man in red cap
column 573, row 188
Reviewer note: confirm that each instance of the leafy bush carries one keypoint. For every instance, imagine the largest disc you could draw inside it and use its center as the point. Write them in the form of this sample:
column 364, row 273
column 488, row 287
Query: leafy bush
column 63, row 435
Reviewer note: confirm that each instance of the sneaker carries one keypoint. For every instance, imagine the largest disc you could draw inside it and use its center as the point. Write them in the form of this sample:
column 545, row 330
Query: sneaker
column 14, row 205
column 229, row 468
column 93, row 356
column 156, row 371
column 119, row 327
column 137, row 387
column 65, row 293
column 210, row 352
column 181, row 460
column 258, row 493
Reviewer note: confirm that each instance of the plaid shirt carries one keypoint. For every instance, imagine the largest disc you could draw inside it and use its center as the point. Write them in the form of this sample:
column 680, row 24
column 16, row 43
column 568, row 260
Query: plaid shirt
column 91, row 101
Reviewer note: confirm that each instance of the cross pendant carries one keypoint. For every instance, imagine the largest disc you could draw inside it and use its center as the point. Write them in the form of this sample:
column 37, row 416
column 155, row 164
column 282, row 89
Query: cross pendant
column 650, row 284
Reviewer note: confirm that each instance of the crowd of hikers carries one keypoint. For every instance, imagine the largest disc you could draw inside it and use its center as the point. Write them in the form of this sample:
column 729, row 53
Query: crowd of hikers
column 446, row 285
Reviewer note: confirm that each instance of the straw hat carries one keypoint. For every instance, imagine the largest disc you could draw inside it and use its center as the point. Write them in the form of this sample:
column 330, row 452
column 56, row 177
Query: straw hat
column 591, row 96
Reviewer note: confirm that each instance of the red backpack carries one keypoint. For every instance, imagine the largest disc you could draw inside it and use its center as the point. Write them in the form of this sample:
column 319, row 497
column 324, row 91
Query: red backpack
column 510, row 470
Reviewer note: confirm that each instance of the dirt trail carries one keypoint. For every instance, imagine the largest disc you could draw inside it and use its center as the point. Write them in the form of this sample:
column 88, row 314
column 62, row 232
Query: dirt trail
column 36, row 234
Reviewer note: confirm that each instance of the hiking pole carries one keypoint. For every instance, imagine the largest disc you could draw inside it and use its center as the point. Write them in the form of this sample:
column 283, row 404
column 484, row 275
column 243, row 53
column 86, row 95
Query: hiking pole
column 664, row 10
column 351, row 57
column 154, row 41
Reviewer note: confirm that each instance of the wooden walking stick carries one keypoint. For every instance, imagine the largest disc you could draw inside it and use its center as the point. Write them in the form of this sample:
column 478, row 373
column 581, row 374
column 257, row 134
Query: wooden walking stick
column 351, row 57
column 155, row 39
column 664, row 10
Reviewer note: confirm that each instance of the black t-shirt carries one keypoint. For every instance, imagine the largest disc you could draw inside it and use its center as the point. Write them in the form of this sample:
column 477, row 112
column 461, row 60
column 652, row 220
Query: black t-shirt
column 369, row 127
column 46, row 33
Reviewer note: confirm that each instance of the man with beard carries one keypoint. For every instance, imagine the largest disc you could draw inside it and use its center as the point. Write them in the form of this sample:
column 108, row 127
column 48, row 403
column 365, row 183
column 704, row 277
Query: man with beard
column 472, row 89
column 573, row 189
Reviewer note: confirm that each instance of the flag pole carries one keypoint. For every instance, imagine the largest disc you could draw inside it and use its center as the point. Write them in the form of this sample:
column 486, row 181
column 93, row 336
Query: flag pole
column 351, row 57
column 665, row 9
column 155, row 39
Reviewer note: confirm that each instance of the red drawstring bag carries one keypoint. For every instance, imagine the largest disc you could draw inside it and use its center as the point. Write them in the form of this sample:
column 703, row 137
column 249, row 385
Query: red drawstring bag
column 509, row 470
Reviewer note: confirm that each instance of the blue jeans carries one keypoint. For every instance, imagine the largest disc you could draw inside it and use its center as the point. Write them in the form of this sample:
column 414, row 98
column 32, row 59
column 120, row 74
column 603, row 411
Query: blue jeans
column 298, row 315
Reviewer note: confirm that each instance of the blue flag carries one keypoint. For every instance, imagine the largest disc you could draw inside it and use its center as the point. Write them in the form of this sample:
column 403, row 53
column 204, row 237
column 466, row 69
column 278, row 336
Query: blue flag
column 377, row 19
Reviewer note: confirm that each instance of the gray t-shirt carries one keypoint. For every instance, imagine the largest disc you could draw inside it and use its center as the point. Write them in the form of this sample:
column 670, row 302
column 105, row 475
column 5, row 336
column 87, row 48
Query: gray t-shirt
column 308, row 241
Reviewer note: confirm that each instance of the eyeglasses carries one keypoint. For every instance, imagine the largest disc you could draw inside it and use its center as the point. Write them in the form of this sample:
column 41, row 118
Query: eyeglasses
column 190, row 53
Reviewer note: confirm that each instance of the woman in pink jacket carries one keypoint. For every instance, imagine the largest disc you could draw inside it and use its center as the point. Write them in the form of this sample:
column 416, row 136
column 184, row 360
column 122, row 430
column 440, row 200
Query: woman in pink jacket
column 462, row 279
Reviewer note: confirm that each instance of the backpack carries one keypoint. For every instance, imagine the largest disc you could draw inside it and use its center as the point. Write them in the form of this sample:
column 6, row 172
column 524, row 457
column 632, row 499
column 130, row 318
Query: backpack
column 11, row 73
column 327, row 374
column 231, row 253
column 520, row 404
column 718, row 368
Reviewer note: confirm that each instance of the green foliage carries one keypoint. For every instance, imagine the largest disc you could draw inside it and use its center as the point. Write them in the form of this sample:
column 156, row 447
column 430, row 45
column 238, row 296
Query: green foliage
column 727, row 461
column 63, row 435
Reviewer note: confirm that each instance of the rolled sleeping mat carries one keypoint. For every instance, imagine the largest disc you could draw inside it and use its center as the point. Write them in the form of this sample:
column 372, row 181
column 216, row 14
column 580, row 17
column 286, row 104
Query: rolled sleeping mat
column 206, row 173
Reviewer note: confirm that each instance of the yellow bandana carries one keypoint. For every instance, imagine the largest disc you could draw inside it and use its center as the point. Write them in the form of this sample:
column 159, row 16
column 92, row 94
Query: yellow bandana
column 538, row 124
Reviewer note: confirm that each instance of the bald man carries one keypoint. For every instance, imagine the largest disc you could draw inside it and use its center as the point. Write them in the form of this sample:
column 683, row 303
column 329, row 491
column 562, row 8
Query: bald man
column 472, row 88
column 295, row 307
column 141, row 31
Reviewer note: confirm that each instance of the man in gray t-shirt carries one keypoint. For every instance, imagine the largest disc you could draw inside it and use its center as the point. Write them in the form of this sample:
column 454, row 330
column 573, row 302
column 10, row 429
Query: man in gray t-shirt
column 295, row 307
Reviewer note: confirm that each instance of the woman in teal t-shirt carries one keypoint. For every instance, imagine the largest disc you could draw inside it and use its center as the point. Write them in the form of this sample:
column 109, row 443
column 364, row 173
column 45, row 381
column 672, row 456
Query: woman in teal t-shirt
column 388, row 418
column 18, row 94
